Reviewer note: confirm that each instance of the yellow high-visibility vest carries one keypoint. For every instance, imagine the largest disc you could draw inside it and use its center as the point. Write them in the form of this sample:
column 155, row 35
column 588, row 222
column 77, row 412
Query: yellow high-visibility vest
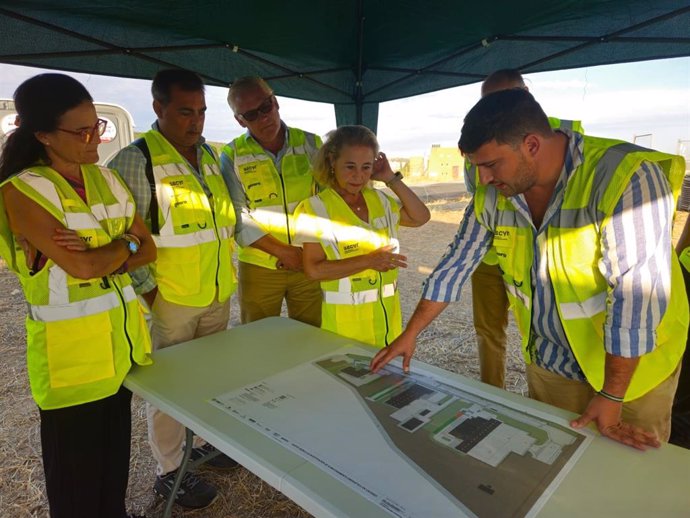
column 196, row 236
column 364, row 306
column 273, row 196
column 573, row 253
column 83, row 335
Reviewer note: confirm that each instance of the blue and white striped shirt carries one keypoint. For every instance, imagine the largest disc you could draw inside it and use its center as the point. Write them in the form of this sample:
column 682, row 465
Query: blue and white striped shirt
column 635, row 245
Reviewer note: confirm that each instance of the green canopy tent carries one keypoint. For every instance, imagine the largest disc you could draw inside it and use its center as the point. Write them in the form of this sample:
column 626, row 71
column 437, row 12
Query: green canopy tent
column 351, row 53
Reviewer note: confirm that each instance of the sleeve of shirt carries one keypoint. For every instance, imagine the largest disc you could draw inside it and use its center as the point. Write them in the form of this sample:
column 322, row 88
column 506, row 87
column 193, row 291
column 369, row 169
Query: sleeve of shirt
column 307, row 227
column 471, row 243
column 247, row 230
column 130, row 164
column 636, row 261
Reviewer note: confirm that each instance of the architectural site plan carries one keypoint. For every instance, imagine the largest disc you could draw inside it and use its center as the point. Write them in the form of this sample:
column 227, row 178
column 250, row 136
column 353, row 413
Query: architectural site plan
column 414, row 444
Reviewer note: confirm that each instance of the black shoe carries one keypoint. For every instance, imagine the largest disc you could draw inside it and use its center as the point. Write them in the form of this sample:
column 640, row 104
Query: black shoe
column 193, row 492
column 220, row 461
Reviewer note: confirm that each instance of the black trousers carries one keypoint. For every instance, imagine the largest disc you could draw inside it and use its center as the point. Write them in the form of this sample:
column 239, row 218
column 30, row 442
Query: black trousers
column 86, row 457
column 680, row 416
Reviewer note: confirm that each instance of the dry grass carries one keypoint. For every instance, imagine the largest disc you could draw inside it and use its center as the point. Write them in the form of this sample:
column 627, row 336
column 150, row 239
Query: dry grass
column 447, row 343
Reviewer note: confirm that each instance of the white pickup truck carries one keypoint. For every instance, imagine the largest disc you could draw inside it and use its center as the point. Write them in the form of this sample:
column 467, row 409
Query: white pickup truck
column 118, row 133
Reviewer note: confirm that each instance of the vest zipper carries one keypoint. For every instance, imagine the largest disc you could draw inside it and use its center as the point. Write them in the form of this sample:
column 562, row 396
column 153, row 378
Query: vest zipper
column 215, row 226
column 285, row 207
column 383, row 306
column 124, row 324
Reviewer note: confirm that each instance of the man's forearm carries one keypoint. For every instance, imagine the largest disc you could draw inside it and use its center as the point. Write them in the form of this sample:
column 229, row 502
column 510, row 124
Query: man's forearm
column 269, row 244
column 618, row 371
column 425, row 312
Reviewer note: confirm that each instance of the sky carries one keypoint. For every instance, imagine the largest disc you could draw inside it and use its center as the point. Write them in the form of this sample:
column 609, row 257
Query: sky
column 622, row 101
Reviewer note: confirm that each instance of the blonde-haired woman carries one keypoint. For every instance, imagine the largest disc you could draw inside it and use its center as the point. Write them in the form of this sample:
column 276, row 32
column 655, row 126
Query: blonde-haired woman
column 349, row 236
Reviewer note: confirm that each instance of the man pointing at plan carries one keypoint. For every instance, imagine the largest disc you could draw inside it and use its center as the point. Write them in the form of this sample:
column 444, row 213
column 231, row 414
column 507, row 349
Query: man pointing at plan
column 581, row 227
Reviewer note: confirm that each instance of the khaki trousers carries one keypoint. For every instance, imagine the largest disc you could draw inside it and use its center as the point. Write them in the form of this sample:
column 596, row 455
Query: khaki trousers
column 262, row 290
column 652, row 412
column 173, row 324
column 490, row 313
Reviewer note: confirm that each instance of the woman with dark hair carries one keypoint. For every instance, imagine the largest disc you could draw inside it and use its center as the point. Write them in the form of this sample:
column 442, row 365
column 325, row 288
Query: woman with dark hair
column 69, row 231
column 349, row 236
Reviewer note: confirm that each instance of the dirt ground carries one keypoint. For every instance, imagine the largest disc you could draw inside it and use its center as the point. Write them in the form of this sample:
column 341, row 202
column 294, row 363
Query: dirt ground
column 447, row 343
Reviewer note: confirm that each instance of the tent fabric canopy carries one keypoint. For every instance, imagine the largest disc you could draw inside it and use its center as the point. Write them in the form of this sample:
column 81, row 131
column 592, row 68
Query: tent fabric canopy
column 351, row 53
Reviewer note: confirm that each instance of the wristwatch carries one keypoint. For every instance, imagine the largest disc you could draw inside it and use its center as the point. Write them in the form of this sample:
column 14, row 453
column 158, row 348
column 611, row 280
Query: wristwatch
column 397, row 176
column 133, row 243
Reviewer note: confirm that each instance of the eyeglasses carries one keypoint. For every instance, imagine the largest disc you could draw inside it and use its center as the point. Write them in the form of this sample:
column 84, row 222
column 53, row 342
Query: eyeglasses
column 87, row 134
column 264, row 108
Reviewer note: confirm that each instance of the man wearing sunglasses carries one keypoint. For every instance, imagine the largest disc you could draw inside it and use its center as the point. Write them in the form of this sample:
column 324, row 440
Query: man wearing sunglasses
column 176, row 182
column 268, row 172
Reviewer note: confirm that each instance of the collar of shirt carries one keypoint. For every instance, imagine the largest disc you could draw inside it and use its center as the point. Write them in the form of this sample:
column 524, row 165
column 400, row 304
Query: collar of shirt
column 199, row 152
column 198, row 145
column 573, row 158
column 280, row 153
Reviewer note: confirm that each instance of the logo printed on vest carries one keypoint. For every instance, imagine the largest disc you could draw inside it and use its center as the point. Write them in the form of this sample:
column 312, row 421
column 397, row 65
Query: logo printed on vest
column 350, row 249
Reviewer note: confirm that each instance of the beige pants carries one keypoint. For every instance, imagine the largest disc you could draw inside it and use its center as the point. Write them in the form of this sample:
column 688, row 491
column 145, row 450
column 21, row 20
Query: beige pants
column 490, row 312
column 651, row 412
column 173, row 324
column 262, row 290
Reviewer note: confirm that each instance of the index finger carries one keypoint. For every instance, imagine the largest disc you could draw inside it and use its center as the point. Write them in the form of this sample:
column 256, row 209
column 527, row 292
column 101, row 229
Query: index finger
column 380, row 359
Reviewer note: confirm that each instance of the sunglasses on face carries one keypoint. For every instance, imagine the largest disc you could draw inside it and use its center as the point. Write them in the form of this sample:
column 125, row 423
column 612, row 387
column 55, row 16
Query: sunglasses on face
column 86, row 135
column 264, row 108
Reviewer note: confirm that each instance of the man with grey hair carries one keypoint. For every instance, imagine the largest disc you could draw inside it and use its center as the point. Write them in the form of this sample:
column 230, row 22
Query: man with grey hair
column 268, row 172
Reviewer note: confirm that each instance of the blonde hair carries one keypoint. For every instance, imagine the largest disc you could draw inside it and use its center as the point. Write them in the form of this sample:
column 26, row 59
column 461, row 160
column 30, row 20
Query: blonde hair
column 336, row 140
column 244, row 84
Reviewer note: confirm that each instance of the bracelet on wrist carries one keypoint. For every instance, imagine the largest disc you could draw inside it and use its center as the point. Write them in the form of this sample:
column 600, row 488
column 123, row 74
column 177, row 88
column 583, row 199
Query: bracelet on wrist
column 396, row 177
column 610, row 397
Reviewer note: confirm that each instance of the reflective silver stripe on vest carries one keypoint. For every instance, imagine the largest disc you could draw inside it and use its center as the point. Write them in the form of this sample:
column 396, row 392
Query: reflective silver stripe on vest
column 586, row 309
column 515, row 292
column 358, row 297
column 185, row 240
column 226, row 232
column 58, row 293
column 246, row 159
column 116, row 210
column 99, row 212
column 81, row 308
column 326, row 241
column 211, row 169
column 44, row 186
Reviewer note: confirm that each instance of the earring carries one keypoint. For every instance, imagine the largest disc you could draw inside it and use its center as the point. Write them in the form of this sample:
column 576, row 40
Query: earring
column 331, row 171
